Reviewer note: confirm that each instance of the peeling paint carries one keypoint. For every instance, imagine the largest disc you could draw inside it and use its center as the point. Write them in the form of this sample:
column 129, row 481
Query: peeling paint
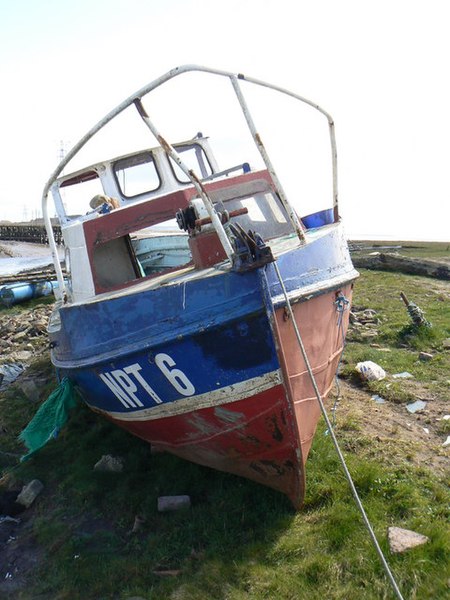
column 228, row 416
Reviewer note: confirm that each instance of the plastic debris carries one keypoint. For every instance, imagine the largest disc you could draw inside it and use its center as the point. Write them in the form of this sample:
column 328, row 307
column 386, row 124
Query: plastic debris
column 50, row 417
column 8, row 519
column 416, row 406
column 445, row 418
column 427, row 431
column 9, row 373
column 402, row 375
column 447, row 441
column 370, row 371
column 378, row 399
column 169, row 503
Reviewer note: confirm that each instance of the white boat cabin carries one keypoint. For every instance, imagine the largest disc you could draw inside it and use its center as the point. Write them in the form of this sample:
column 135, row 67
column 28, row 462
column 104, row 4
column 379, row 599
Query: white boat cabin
column 129, row 232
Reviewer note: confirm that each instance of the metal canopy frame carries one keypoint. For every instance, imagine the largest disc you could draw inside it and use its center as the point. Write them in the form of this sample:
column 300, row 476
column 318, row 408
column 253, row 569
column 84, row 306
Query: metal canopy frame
column 196, row 181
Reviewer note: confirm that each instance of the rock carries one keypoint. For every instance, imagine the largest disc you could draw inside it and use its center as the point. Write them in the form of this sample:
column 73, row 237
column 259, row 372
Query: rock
column 110, row 464
column 425, row 356
column 30, row 389
column 371, row 333
column 404, row 539
column 446, row 343
column 30, row 492
column 169, row 503
column 416, row 406
column 138, row 523
column 20, row 336
column 23, row 355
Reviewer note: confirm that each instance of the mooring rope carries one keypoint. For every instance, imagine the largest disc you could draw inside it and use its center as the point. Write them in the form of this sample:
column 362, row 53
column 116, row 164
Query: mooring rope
column 342, row 305
column 335, row 442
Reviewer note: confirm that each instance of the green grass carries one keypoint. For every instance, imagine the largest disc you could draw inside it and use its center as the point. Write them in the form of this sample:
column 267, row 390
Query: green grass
column 381, row 292
column 432, row 250
column 240, row 540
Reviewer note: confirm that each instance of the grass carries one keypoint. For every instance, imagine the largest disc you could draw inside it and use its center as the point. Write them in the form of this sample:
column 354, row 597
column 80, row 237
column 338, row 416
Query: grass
column 240, row 540
column 432, row 250
column 381, row 292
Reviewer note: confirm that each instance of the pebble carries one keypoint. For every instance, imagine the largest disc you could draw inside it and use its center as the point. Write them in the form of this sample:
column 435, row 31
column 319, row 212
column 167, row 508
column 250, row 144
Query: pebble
column 110, row 464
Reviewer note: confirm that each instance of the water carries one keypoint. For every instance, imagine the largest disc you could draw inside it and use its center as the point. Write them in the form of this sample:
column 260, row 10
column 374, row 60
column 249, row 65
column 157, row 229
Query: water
column 26, row 257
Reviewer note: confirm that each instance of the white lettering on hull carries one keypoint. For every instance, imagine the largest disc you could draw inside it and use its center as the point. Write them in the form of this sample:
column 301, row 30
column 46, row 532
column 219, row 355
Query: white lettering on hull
column 126, row 383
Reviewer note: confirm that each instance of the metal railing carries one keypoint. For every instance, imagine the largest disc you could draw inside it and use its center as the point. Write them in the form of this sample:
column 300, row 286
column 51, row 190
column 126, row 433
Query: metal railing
column 196, row 181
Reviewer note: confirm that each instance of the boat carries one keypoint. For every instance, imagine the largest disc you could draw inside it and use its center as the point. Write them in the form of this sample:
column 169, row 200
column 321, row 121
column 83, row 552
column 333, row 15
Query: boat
column 178, row 317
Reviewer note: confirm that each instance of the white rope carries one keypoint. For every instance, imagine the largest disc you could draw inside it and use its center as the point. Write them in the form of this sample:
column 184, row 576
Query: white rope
column 335, row 442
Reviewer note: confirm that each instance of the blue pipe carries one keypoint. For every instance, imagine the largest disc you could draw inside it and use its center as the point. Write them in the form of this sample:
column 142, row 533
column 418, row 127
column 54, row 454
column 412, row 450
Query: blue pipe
column 20, row 292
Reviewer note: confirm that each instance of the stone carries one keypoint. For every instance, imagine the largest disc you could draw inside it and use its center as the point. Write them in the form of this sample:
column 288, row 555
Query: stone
column 30, row 492
column 139, row 521
column 30, row 389
column 425, row 356
column 371, row 333
column 170, row 503
column 110, row 464
column 20, row 336
column 446, row 343
column 417, row 406
column 23, row 355
column 401, row 540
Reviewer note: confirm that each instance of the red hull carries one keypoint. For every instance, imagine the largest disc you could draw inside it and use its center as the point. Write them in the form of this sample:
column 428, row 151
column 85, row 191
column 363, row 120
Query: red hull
column 265, row 437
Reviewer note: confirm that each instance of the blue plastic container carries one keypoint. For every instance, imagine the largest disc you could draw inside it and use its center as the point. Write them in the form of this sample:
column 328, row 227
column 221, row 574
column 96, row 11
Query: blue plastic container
column 319, row 219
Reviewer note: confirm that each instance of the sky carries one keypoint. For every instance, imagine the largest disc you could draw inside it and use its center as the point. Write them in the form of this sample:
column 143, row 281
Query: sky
column 380, row 68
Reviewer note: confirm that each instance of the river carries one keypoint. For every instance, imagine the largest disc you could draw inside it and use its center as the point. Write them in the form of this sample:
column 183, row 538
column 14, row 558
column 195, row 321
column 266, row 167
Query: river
column 16, row 257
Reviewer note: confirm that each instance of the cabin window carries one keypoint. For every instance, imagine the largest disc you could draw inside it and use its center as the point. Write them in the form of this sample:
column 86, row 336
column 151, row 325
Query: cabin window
column 137, row 175
column 74, row 193
column 266, row 215
column 145, row 253
column 161, row 247
column 194, row 157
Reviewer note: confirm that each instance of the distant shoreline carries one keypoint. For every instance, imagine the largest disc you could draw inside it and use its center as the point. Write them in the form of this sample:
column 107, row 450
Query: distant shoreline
column 17, row 257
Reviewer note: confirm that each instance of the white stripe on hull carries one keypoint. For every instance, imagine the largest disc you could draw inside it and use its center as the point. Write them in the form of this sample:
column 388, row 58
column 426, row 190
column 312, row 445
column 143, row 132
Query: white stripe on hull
column 226, row 395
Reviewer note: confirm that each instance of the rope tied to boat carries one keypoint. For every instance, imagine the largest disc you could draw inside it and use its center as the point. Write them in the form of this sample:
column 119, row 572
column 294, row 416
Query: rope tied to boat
column 342, row 304
column 334, row 439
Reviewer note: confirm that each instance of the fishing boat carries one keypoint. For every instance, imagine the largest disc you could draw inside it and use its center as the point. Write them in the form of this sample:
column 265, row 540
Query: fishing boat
column 187, row 288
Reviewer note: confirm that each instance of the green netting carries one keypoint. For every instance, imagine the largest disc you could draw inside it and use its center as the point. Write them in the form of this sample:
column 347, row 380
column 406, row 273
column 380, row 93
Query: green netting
column 49, row 419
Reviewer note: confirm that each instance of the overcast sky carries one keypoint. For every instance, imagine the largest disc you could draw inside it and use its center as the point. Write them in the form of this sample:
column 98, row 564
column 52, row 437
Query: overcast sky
column 380, row 68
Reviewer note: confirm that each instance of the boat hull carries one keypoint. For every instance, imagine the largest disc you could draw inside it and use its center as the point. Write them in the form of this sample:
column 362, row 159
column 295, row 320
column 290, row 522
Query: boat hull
column 225, row 386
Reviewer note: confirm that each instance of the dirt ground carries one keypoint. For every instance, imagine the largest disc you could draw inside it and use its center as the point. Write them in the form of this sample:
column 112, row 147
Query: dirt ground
column 396, row 432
